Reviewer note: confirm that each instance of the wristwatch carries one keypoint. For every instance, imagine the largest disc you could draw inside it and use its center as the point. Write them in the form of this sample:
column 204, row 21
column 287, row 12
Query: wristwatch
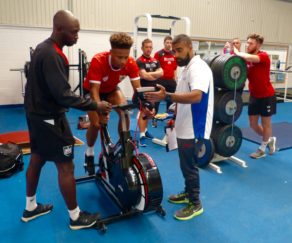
column 168, row 98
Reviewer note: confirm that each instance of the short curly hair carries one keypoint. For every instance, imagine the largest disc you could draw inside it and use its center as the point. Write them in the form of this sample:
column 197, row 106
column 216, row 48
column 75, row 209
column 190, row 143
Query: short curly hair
column 259, row 39
column 121, row 41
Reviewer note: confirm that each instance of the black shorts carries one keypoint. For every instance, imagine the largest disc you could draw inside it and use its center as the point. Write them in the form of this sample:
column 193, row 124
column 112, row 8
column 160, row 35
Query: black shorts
column 103, row 96
column 169, row 85
column 51, row 138
column 262, row 106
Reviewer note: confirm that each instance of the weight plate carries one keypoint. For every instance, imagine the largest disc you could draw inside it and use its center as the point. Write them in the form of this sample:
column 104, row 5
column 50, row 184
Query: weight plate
column 229, row 72
column 206, row 152
column 210, row 58
column 227, row 139
column 227, row 106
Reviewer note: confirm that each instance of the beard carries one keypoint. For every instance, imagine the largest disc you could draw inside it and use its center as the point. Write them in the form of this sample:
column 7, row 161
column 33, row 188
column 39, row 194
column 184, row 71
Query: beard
column 183, row 61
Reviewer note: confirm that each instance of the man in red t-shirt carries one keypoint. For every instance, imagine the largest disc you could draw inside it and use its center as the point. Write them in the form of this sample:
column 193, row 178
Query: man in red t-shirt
column 106, row 71
column 262, row 102
column 168, row 64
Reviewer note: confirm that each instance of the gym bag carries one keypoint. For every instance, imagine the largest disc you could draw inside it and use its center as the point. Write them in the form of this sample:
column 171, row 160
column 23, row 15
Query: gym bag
column 10, row 159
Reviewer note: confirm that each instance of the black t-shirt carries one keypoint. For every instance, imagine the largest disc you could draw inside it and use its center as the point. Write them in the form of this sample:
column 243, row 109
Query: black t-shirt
column 47, row 92
column 150, row 64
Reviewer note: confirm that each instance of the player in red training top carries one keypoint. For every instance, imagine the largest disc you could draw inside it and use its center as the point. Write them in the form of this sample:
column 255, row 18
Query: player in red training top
column 150, row 72
column 106, row 71
column 262, row 102
column 168, row 64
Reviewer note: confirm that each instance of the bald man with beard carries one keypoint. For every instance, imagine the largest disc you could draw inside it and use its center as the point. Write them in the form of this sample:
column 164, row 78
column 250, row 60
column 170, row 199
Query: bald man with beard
column 48, row 96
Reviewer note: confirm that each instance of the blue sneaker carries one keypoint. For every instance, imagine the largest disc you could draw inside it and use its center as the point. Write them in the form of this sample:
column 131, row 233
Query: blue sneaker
column 148, row 135
column 142, row 141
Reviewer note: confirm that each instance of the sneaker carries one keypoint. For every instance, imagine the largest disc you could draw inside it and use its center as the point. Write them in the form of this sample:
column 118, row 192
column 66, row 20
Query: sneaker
column 181, row 197
column 258, row 154
column 148, row 135
column 38, row 211
column 189, row 211
column 142, row 142
column 89, row 164
column 272, row 145
column 85, row 220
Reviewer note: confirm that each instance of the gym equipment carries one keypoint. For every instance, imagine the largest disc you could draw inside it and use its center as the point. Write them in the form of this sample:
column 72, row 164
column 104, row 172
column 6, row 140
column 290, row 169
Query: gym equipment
column 149, row 28
column 132, row 180
column 209, row 59
column 229, row 72
column 206, row 152
column 227, row 106
column 21, row 138
column 227, row 139
column 281, row 130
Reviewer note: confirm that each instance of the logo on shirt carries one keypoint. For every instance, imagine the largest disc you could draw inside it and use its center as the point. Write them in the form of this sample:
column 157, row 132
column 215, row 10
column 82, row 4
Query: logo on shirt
column 67, row 150
column 104, row 79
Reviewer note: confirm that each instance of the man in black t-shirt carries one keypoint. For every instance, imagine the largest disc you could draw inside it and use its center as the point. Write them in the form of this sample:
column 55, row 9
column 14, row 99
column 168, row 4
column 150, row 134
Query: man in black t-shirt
column 150, row 72
column 48, row 96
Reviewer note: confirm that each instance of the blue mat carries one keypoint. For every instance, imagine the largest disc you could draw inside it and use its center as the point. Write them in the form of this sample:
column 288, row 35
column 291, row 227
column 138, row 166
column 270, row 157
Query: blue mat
column 281, row 130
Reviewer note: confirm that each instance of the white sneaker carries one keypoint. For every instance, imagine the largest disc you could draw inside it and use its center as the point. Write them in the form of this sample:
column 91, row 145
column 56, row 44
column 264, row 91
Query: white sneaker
column 272, row 145
column 258, row 154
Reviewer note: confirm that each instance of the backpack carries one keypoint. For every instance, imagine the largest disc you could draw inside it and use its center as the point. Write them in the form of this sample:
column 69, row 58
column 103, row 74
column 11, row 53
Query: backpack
column 10, row 159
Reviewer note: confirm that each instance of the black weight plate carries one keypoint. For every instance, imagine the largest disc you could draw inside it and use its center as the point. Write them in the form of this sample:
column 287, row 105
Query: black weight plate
column 206, row 152
column 227, row 106
column 209, row 59
column 229, row 72
column 227, row 139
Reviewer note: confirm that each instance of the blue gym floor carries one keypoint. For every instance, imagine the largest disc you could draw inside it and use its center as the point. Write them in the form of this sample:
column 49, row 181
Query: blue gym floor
column 251, row 204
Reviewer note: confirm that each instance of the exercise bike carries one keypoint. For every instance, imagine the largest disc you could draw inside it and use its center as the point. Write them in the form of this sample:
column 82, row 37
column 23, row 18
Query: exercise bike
column 131, row 179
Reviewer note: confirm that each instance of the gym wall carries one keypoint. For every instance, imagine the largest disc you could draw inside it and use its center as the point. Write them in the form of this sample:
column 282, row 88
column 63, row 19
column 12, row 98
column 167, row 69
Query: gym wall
column 24, row 23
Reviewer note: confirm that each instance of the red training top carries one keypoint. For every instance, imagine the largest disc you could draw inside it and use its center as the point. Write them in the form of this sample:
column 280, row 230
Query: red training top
column 258, row 75
column 167, row 62
column 101, row 72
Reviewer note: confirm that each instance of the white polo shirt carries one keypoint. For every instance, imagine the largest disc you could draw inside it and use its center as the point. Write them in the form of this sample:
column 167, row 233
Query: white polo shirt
column 195, row 120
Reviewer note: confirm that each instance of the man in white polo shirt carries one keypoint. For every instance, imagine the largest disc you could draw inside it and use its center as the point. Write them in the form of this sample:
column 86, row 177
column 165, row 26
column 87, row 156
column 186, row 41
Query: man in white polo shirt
column 194, row 116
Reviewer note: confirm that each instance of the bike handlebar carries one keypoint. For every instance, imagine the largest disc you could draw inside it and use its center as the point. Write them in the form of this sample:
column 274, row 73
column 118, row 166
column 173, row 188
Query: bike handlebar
column 125, row 106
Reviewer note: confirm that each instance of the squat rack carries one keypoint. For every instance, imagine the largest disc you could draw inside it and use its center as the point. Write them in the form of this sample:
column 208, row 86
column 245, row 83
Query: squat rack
column 149, row 28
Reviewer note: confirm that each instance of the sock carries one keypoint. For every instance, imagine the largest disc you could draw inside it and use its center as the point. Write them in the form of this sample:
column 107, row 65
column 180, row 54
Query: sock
column 31, row 203
column 142, row 134
column 90, row 151
column 74, row 214
column 263, row 145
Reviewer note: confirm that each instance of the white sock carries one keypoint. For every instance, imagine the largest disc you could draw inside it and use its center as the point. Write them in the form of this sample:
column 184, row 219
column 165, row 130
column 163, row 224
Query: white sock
column 90, row 151
column 142, row 134
column 263, row 146
column 31, row 203
column 74, row 214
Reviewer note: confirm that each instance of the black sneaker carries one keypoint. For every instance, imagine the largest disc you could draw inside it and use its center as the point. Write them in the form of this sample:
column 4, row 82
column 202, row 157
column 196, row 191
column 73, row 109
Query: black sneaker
column 181, row 197
column 85, row 220
column 39, row 211
column 188, row 212
column 89, row 164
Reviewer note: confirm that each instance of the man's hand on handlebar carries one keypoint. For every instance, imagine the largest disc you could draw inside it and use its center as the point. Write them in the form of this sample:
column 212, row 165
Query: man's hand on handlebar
column 103, row 107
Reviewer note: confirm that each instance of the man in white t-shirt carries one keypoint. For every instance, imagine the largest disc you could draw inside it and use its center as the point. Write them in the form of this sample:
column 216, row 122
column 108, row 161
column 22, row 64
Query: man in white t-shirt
column 194, row 116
